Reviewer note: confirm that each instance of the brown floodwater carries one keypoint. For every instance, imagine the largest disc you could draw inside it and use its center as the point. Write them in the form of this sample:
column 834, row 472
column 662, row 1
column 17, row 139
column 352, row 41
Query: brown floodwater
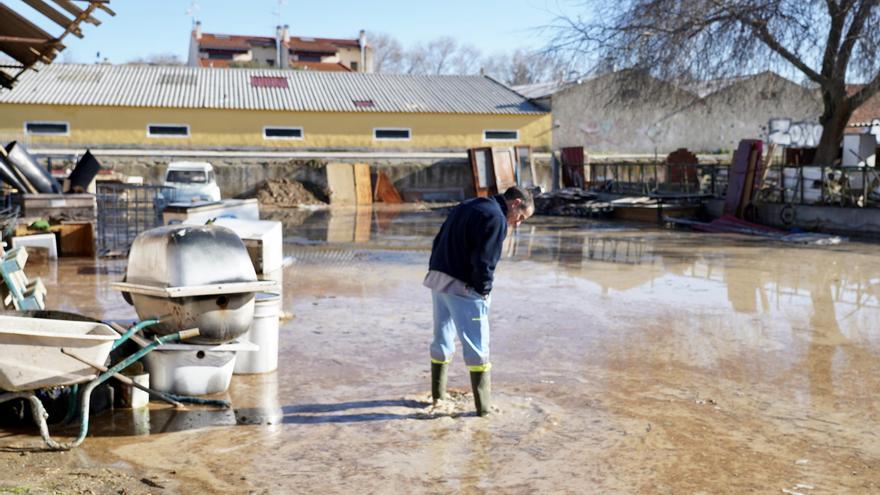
column 625, row 360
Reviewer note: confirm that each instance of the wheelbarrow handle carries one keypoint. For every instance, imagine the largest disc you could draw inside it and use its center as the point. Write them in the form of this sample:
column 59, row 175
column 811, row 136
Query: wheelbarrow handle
column 124, row 379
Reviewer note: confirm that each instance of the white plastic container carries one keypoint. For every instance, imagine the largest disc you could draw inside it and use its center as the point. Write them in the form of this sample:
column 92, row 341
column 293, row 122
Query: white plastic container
column 812, row 179
column 263, row 333
column 263, row 239
column 192, row 369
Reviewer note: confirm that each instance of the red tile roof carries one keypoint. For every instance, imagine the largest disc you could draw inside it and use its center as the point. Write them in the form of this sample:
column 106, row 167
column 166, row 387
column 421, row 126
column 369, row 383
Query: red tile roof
column 869, row 110
column 205, row 62
column 300, row 43
column 322, row 66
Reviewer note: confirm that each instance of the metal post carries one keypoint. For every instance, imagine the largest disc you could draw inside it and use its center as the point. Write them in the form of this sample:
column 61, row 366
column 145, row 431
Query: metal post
column 801, row 182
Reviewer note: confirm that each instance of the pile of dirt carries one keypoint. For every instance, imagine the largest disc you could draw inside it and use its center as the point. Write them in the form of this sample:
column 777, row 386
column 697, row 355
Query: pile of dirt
column 289, row 192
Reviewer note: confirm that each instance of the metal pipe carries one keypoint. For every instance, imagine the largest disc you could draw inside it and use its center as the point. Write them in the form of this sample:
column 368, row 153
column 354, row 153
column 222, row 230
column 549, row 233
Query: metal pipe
column 131, row 331
column 87, row 392
column 124, row 379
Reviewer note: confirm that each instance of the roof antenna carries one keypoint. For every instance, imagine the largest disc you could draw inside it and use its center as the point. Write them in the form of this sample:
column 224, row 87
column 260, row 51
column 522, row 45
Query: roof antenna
column 278, row 11
column 193, row 12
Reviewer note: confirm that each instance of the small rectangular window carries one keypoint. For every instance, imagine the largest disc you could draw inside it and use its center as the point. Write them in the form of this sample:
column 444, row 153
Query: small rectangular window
column 168, row 130
column 47, row 128
column 282, row 133
column 391, row 134
column 354, row 66
column 500, row 135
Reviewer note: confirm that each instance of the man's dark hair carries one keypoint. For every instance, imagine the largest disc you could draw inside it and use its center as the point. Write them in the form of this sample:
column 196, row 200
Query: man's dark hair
column 521, row 193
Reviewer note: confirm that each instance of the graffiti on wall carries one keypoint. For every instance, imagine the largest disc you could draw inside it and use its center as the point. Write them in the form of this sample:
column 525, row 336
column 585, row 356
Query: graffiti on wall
column 602, row 132
column 802, row 134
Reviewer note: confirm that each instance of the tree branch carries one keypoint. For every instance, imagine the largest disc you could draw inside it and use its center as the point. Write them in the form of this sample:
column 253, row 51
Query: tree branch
column 835, row 30
column 866, row 92
column 760, row 29
column 855, row 31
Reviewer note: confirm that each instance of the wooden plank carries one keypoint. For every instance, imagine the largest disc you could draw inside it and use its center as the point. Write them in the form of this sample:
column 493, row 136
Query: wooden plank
column 363, row 223
column 340, row 180
column 77, row 239
column 737, row 175
column 362, row 184
column 573, row 167
column 502, row 165
column 481, row 170
column 385, row 191
column 56, row 17
column 525, row 167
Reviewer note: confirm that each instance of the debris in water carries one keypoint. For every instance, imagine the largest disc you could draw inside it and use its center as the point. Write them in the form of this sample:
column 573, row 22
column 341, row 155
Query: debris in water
column 151, row 483
column 571, row 202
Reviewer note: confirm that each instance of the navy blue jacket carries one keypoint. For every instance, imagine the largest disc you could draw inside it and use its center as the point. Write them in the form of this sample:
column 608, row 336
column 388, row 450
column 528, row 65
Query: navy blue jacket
column 468, row 245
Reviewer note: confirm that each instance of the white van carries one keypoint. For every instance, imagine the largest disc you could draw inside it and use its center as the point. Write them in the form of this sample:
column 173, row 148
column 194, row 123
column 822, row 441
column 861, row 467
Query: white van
column 192, row 181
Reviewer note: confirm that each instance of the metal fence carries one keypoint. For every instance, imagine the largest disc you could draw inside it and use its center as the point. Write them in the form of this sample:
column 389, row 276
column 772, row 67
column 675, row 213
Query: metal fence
column 126, row 210
column 645, row 178
column 839, row 186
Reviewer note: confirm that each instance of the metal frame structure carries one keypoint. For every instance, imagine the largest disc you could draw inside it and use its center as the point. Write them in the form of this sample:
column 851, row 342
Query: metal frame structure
column 126, row 210
column 27, row 44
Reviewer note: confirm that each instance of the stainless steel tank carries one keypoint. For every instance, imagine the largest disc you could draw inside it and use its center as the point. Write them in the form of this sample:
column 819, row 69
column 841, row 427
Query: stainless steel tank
column 192, row 277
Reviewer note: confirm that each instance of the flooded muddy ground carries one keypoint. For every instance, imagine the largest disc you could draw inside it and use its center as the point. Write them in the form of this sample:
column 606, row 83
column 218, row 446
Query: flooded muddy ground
column 625, row 360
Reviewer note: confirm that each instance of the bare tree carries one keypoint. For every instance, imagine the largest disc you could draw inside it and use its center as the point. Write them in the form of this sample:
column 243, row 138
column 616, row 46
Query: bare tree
column 415, row 60
column 439, row 54
column 157, row 59
column 827, row 41
column 526, row 67
column 465, row 61
column 387, row 53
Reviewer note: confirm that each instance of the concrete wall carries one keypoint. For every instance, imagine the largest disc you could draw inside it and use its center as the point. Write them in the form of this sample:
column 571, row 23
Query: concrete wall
column 426, row 178
column 604, row 116
column 243, row 129
column 598, row 115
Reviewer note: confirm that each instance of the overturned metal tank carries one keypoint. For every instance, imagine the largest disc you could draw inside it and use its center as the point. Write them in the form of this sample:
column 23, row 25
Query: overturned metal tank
column 192, row 277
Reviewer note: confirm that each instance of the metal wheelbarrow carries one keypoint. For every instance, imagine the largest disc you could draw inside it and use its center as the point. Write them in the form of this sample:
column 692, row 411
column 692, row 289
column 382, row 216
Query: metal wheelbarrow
column 38, row 354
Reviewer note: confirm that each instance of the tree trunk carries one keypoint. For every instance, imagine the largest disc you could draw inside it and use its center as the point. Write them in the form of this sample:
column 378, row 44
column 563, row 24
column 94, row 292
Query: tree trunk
column 833, row 122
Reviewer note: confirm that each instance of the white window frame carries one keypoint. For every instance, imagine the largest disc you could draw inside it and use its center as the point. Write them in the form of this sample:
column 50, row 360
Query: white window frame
column 168, row 136
column 488, row 140
column 407, row 129
column 47, row 122
column 302, row 133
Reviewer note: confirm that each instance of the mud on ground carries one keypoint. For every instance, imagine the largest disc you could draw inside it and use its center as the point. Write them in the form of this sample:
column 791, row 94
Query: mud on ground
column 625, row 360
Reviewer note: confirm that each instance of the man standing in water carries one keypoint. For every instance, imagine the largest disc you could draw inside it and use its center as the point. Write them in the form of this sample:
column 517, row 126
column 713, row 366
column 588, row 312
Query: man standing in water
column 460, row 276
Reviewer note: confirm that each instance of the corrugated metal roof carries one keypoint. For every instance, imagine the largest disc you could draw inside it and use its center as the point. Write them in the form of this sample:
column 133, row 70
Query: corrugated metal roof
column 307, row 91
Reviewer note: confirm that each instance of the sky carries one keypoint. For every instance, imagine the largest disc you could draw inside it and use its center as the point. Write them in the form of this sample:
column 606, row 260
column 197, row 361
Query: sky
column 149, row 27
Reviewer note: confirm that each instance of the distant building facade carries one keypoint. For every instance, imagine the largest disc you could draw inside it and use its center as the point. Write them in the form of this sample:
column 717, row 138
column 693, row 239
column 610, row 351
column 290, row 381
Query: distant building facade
column 128, row 106
column 643, row 115
column 282, row 51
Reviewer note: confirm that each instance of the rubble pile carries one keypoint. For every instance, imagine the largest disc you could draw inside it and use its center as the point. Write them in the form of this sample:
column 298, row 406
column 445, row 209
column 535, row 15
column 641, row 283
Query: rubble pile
column 571, row 202
column 286, row 192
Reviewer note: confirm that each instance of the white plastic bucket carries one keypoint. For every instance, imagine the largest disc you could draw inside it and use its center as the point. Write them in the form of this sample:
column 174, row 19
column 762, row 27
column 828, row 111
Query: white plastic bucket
column 264, row 333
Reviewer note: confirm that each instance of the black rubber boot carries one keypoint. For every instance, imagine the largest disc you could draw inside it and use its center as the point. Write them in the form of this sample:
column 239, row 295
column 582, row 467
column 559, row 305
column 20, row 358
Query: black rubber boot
column 438, row 381
column 482, row 387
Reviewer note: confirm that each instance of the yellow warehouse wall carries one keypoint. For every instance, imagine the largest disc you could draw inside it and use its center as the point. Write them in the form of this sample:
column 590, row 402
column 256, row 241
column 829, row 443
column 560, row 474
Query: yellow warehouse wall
column 126, row 126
